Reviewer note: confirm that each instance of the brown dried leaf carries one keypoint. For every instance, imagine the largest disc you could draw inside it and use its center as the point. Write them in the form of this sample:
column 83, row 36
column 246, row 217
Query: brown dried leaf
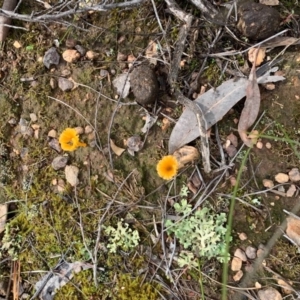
column 256, row 55
column 251, row 108
column 117, row 150
column 185, row 155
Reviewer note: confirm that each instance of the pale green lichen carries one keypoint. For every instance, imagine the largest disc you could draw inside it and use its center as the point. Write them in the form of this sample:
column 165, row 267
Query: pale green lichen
column 122, row 236
column 201, row 233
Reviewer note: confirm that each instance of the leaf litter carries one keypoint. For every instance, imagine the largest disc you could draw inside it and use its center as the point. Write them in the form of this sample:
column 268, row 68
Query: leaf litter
column 215, row 103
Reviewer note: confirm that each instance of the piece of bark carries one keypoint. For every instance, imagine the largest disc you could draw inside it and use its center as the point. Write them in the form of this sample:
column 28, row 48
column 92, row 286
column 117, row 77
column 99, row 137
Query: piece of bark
column 7, row 5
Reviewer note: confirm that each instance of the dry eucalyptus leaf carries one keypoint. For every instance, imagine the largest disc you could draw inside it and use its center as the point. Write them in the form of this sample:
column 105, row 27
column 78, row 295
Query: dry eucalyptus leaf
column 122, row 85
column 149, row 122
column 214, row 104
column 60, row 276
column 185, row 155
column 3, row 216
column 281, row 41
column 257, row 55
column 117, row 150
column 251, row 108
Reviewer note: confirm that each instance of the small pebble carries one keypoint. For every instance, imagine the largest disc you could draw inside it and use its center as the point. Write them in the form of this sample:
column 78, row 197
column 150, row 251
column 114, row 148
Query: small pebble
column 53, row 83
column 88, row 129
column 259, row 145
column 243, row 236
column 81, row 50
column 59, row 162
column 54, row 144
column 65, row 84
column 52, row 133
column 251, row 252
column 79, row 130
column 268, row 183
column 71, row 55
column 294, row 175
column 71, row 43
column 238, row 276
column 282, row 178
column 269, row 294
column 268, row 145
column 240, row 254
column 91, row 55
column 71, row 173
column 33, row 117
column 236, row 264
column 291, row 191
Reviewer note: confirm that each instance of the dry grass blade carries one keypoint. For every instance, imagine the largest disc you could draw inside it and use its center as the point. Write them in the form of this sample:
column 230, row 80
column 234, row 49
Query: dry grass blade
column 251, row 107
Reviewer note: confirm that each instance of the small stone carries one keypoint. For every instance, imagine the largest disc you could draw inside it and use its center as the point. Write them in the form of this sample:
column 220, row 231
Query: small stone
column 268, row 183
column 257, row 21
column 54, row 144
column 91, row 55
column 259, row 145
column 281, row 189
column 54, row 181
column 81, row 50
column 71, row 55
column 240, row 254
column 79, row 130
column 121, row 57
column 257, row 285
column 144, row 84
column 71, row 173
column 12, row 121
column 52, row 133
column 103, row 73
column 268, row 145
column 66, row 72
column 236, row 264
column 251, row 252
column 65, row 84
column 269, row 294
column 282, row 178
column 243, row 236
column 88, row 129
column 61, row 186
column 53, row 83
column 33, row 117
column 291, row 191
column 233, row 139
column 238, row 276
column 293, row 229
column 51, row 57
column 294, row 175
column 59, row 162
column 231, row 151
column 71, row 43
column 134, row 144
column 285, row 287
